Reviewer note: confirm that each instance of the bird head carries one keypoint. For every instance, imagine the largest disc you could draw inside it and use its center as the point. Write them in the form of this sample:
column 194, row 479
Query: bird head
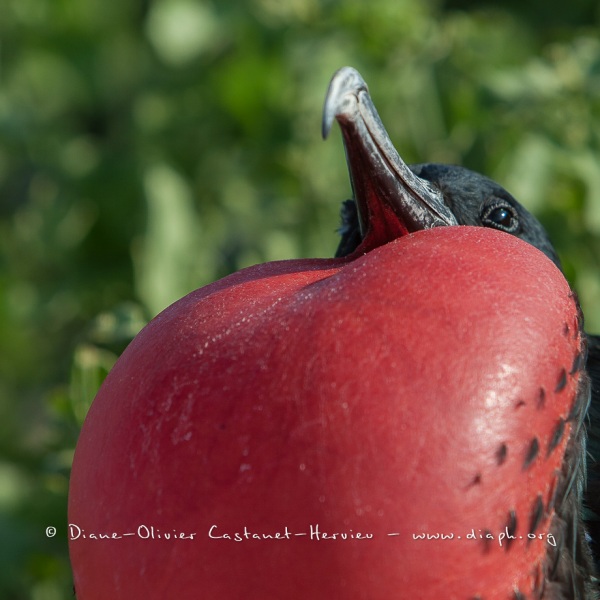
column 411, row 197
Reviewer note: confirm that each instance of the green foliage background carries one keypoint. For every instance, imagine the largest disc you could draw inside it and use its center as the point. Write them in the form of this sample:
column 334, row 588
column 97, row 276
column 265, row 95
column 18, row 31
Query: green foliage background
column 150, row 147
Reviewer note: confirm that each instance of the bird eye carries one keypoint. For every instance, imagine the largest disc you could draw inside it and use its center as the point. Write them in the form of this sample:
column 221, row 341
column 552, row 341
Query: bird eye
column 501, row 216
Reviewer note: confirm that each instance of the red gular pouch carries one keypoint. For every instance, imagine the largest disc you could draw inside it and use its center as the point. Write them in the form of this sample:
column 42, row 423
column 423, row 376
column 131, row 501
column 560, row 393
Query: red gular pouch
column 422, row 389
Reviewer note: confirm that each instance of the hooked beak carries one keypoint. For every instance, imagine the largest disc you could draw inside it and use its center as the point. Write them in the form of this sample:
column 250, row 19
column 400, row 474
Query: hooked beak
column 392, row 201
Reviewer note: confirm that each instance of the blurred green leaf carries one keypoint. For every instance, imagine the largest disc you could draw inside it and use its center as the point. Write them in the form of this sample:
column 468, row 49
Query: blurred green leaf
column 90, row 367
column 169, row 249
column 181, row 30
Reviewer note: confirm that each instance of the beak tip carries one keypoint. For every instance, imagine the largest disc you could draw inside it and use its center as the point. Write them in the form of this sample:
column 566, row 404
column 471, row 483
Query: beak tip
column 327, row 122
column 345, row 81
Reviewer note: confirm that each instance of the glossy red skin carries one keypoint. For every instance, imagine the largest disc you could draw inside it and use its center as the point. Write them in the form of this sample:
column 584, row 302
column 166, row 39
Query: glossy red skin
column 372, row 395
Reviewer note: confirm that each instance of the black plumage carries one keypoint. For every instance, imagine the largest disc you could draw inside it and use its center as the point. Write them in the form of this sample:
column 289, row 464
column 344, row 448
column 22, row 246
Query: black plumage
column 592, row 493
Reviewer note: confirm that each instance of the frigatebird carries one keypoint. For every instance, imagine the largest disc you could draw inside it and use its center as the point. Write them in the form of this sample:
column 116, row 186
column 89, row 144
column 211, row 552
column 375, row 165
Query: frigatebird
column 433, row 195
